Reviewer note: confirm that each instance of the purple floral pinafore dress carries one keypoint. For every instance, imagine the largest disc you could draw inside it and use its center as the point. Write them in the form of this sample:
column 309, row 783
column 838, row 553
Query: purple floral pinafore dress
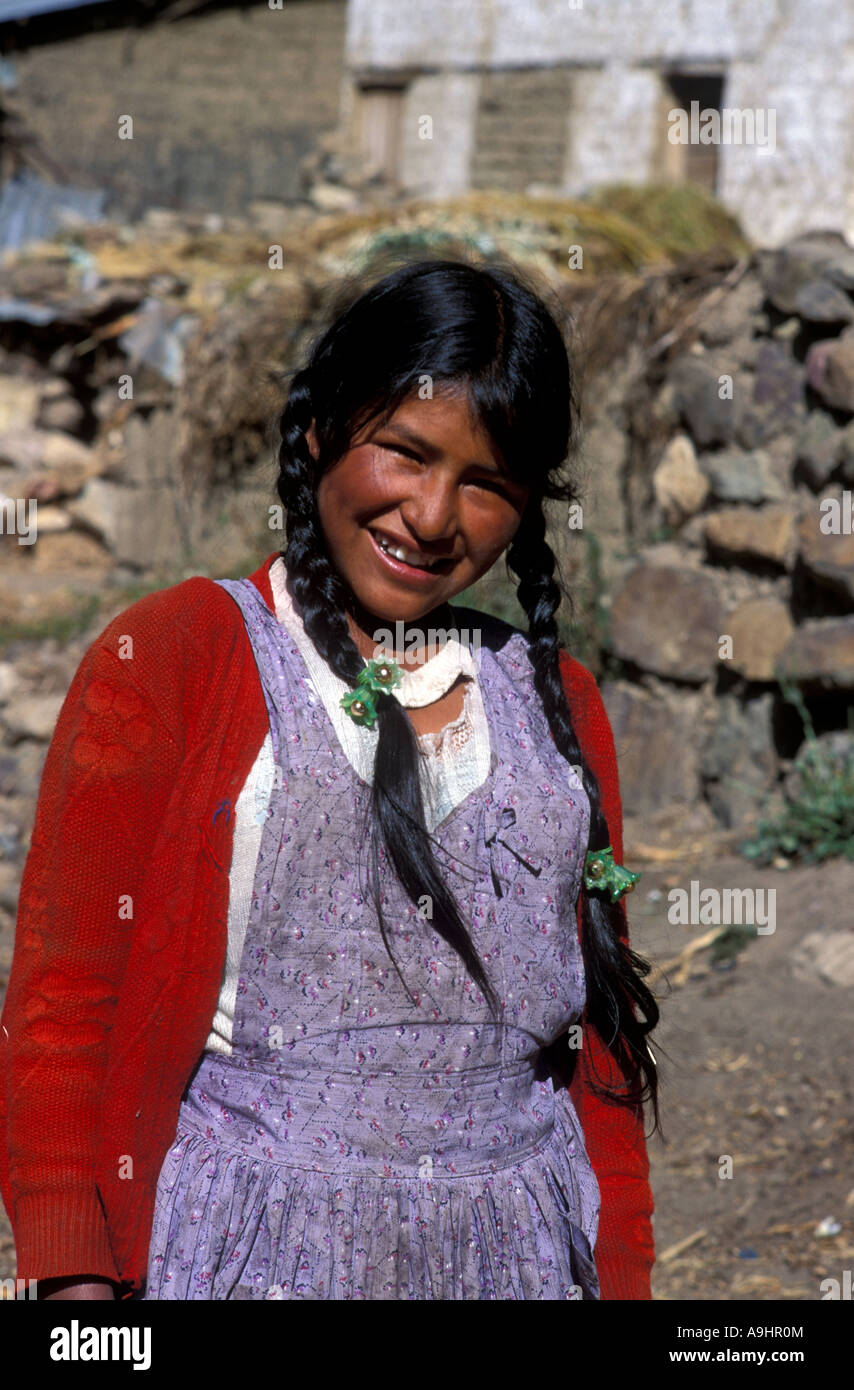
column 360, row 1143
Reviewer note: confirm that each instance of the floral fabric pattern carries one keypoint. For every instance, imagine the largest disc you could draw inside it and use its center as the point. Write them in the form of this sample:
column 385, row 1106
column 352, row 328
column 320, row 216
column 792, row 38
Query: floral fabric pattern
column 379, row 1137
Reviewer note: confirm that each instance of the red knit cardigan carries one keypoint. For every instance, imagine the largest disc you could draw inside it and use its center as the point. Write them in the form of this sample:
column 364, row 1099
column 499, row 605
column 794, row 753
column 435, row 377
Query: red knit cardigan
column 121, row 937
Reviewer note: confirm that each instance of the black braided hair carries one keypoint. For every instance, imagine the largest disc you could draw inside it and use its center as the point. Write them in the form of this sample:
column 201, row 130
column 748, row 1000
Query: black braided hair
column 487, row 330
column 614, row 973
column 319, row 595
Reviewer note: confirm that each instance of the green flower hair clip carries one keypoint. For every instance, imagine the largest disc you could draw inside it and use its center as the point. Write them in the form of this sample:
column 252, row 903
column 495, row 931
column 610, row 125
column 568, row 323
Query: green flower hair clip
column 374, row 678
column 600, row 871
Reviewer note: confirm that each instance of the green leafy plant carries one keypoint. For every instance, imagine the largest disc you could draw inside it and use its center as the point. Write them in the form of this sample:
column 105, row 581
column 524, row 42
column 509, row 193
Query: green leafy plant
column 731, row 940
column 817, row 819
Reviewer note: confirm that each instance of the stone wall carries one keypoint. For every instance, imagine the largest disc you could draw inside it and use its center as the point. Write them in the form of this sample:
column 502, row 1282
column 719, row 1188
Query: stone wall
column 719, row 465
column 736, row 453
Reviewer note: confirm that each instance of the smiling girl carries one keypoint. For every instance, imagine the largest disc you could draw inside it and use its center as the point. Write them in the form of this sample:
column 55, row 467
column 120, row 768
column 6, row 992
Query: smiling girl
column 322, row 986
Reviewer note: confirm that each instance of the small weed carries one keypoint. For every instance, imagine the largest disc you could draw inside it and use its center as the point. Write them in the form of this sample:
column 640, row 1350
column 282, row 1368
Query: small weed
column 817, row 820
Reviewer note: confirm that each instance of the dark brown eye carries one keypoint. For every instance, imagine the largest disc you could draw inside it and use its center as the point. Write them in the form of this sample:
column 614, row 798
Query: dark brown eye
column 494, row 484
column 399, row 449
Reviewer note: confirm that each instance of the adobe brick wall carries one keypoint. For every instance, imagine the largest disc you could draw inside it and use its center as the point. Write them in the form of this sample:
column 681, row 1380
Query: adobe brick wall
column 521, row 128
column 224, row 104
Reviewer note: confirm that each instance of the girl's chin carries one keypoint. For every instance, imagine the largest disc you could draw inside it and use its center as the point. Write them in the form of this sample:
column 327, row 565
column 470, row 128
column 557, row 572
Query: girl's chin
column 384, row 605
column 390, row 608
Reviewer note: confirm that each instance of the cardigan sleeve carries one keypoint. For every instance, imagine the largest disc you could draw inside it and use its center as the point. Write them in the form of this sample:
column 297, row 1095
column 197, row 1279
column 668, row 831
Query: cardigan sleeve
column 613, row 1133
column 104, row 787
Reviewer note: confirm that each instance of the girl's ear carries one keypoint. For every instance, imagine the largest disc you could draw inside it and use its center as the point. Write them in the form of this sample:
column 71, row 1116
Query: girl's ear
column 312, row 440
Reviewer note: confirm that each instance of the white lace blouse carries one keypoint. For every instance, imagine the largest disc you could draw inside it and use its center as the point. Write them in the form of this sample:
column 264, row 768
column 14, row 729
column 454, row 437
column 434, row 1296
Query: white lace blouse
column 455, row 762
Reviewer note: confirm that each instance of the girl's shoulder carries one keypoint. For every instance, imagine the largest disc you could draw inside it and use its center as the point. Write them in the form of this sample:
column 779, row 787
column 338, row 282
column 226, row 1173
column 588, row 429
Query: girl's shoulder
column 173, row 644
column 189, row 612
column 586, row 706
column 495, row 633
column 484, row 629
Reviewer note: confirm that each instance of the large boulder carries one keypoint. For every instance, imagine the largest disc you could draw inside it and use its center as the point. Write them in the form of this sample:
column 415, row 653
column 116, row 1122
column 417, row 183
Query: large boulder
column 668, row 620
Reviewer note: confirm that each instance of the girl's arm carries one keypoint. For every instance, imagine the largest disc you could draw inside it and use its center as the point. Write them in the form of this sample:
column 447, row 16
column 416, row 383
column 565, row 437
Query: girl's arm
column 104, row 788
column 613, row 1134
column 614, row 1138
column 72, row 1289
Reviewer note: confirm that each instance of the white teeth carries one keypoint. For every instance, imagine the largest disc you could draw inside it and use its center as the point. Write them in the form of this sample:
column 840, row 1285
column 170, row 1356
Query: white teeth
column 409, row 557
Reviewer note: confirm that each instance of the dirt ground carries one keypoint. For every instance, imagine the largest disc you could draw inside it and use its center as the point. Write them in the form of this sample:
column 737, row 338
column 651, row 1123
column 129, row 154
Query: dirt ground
column 758, row 1067
column 754, row 1063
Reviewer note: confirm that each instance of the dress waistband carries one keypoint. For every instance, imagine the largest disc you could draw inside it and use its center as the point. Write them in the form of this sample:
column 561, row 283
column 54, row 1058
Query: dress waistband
column 383, row 1124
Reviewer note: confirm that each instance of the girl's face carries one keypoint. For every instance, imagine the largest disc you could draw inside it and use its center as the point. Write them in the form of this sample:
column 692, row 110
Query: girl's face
column 428, row 481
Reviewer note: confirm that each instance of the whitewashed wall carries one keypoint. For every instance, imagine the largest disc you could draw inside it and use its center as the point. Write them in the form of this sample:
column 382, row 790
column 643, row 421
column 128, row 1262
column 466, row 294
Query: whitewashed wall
column 795, row 56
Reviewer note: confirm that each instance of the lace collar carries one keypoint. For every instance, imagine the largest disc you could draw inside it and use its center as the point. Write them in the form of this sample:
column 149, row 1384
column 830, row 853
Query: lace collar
column 421, row 685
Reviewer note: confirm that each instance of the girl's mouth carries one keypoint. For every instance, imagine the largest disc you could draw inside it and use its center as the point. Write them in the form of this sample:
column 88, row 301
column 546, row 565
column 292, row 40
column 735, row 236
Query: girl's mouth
column 403, row 570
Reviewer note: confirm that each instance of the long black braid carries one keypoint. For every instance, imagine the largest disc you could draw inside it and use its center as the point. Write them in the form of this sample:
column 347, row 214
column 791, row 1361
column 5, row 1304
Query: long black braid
column 487, row 329
column 612, row 970
column 319, row 595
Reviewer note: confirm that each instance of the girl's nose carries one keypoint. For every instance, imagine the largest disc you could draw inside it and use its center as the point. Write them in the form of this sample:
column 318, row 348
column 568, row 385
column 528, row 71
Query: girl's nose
column 432, row 515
